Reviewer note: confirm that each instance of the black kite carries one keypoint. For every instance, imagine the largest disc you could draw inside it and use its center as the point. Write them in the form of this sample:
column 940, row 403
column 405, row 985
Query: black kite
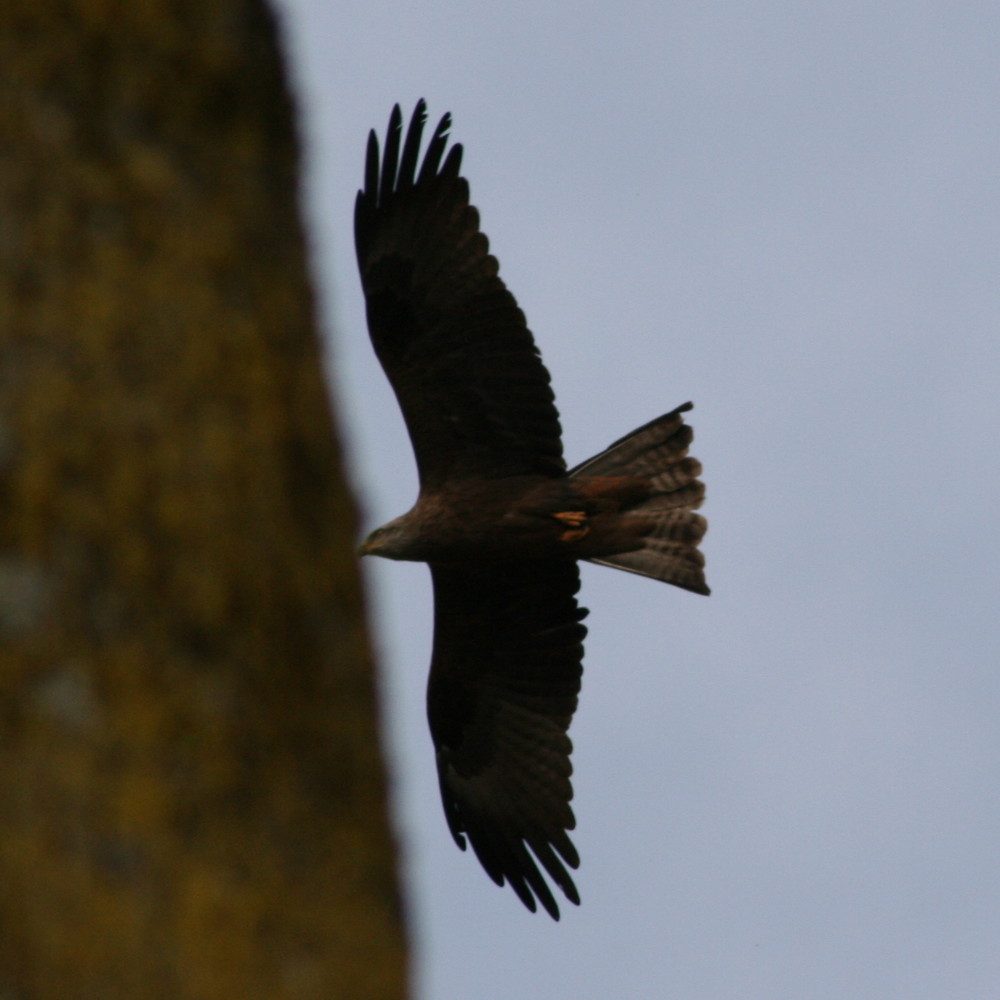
column 500, row 519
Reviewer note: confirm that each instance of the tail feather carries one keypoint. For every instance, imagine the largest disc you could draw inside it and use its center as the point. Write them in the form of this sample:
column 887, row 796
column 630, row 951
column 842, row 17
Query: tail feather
column 671, row 531
column 679, row 563
column 649, row 450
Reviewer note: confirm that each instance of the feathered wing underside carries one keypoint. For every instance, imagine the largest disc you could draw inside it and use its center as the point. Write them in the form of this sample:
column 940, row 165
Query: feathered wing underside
column 658, row 454
column 505, row 676
column 454, row 344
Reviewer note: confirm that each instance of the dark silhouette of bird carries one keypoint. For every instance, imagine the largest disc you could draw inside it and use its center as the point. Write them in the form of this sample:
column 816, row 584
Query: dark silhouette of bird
column 500, row 520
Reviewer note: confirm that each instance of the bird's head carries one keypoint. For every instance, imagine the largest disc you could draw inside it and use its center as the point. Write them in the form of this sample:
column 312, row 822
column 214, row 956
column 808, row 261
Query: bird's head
column 392, row 541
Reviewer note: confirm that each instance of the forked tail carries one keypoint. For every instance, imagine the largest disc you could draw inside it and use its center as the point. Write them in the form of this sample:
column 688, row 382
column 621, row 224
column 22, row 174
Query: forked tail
column 657, row 454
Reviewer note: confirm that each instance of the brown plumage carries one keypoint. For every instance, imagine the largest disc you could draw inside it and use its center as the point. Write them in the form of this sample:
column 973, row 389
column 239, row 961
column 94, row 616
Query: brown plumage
column 499, row 518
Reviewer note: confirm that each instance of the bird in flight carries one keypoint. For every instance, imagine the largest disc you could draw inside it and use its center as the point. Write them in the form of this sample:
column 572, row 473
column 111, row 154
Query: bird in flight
column 499, row 518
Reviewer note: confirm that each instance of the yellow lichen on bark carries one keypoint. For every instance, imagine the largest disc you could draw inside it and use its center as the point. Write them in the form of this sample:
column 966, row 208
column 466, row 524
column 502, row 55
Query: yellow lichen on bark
column 191, row 791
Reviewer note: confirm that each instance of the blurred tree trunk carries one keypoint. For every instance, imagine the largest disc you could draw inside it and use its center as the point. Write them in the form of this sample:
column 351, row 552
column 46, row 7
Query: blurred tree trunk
column 192, row 801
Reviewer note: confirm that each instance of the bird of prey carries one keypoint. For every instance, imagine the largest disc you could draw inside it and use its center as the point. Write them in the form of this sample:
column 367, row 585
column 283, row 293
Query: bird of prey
column 499, row 518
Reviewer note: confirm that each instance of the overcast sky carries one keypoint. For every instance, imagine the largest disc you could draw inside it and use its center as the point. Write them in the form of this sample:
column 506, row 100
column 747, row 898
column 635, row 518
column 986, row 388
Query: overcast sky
column 789, row 213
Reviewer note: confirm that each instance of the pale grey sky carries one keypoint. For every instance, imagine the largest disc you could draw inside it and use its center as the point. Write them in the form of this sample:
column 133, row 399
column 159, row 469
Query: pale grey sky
column 789, row 213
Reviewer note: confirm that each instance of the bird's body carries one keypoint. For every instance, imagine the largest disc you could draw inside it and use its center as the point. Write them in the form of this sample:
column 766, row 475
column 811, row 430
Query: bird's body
column 524, row 518
column 499, row 519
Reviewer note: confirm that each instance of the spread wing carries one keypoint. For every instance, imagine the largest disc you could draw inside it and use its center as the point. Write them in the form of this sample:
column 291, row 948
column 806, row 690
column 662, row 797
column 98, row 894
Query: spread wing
column 454, row 344
column 505, row 675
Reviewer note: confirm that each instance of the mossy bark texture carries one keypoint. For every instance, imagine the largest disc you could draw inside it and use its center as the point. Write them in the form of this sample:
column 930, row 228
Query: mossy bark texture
column 192, row 802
